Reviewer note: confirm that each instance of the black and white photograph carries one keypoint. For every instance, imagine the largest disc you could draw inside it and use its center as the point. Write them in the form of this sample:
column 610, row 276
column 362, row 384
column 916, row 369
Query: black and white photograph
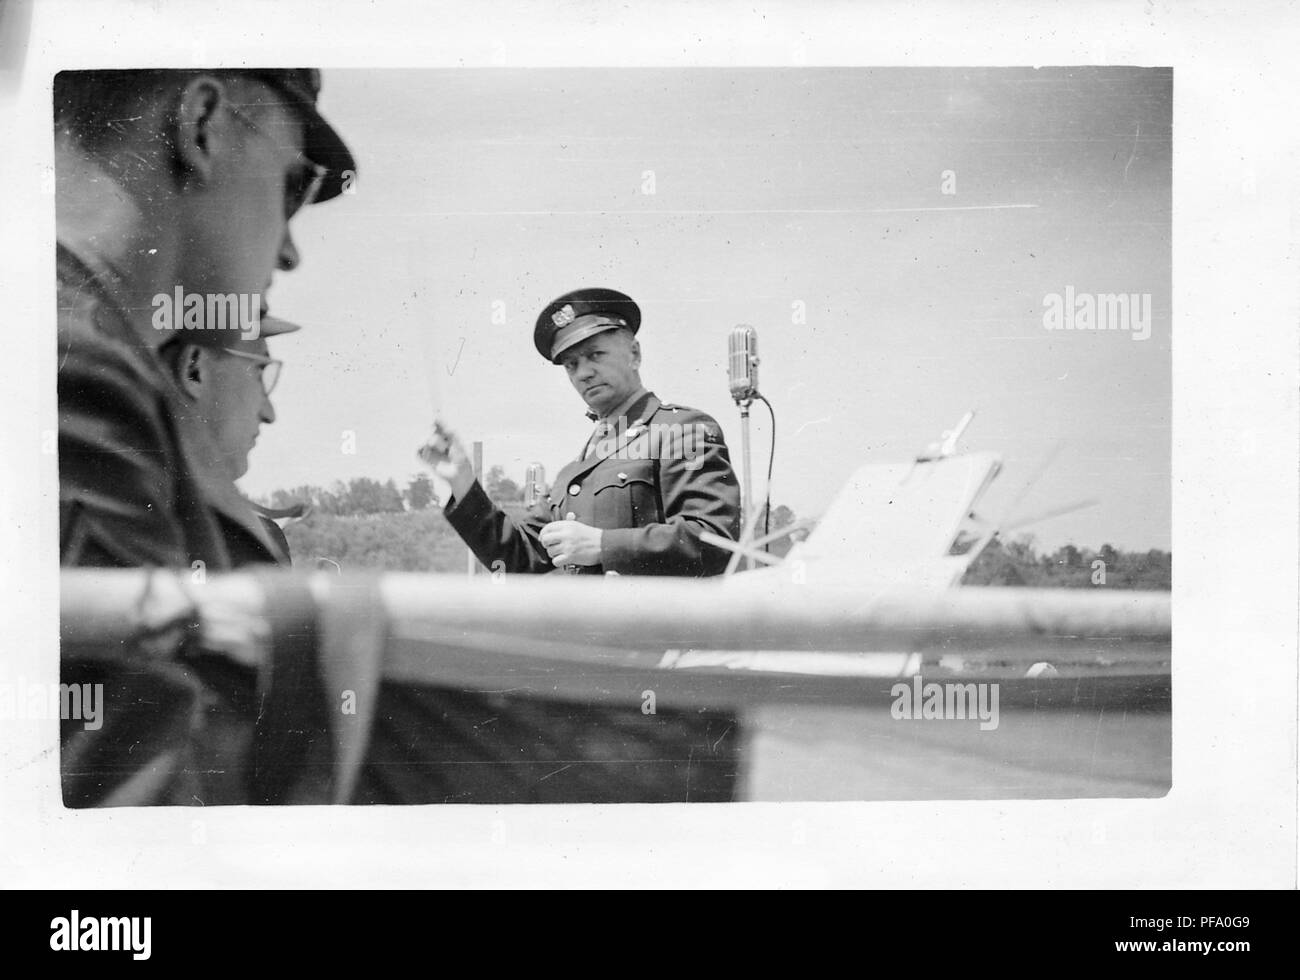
column 990, row 310
column 558, row 446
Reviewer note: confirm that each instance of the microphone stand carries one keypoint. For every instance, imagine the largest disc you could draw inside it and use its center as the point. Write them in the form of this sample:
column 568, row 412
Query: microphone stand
column 747, row 503
column 742, row 379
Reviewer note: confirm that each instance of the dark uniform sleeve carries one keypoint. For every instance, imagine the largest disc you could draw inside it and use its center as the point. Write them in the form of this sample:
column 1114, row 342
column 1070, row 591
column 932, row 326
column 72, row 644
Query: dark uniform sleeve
column 117, row 457
column 651, row 509
column 698, row 491
column 494, row 536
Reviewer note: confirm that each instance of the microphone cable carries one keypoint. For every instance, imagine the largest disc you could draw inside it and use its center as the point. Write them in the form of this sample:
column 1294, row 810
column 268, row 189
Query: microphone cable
column 771, row 461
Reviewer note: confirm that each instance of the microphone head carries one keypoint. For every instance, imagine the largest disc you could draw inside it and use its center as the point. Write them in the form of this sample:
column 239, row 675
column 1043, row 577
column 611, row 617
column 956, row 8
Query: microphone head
column 742, row 362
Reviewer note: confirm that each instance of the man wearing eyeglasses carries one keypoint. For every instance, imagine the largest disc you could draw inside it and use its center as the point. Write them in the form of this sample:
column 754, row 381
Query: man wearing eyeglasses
column 180, row 183
column 223, row 400
column 175, row 183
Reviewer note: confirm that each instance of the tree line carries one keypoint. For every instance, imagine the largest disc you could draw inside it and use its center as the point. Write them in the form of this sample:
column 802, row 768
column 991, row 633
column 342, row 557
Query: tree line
column 362, row 496
column 358, row 497
column 1017, row 562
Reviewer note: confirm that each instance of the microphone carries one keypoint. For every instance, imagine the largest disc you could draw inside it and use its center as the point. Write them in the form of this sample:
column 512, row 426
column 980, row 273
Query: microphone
column 534, row 483
column 742, row 363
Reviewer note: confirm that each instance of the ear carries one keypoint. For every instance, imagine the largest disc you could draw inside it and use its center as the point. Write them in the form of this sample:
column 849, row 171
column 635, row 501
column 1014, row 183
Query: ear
column 636, row 353
column 200, row 134
column 192, row 369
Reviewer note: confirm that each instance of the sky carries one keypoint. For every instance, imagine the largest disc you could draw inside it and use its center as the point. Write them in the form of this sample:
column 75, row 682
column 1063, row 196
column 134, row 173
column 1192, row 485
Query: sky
column 808, row 203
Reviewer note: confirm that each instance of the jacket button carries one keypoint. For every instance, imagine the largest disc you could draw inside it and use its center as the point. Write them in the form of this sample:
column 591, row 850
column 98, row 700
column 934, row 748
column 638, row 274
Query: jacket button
column 622, row 476
column 570, row 516
column 575, row 489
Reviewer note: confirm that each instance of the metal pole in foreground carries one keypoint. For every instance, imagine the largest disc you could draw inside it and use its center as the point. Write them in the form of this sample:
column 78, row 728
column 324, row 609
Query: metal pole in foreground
column 1017, row 624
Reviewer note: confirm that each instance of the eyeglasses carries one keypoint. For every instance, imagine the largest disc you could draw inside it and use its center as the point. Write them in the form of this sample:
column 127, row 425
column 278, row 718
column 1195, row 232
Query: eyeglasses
column 302, row 181
column 270, row 373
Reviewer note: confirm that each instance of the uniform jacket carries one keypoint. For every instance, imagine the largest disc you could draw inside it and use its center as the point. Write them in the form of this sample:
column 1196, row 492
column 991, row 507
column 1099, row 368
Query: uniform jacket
column 649, row 494
column 137, row 487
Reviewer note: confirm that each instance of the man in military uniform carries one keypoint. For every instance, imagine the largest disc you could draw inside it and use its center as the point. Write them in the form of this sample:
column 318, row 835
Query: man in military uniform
column 179, row 183
column 648, row 482
column 180, row 504
column 174, row 181
column 651, row 478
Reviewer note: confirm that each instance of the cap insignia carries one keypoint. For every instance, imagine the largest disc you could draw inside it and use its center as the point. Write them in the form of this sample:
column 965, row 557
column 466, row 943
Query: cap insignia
column 563, row 316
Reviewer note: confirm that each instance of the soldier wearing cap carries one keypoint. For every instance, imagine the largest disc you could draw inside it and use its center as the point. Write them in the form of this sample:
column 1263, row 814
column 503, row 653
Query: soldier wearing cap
column 174, row 194
column 648, row 481
column 175, row 186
